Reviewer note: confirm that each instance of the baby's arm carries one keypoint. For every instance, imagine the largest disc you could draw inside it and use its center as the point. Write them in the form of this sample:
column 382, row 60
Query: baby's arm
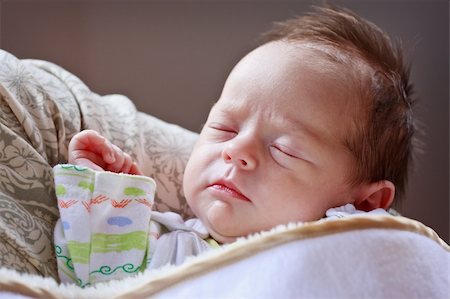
column 88, row 148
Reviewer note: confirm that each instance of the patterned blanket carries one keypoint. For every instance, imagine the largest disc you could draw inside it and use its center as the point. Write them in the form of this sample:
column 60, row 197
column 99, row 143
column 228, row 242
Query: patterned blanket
column 41, row 107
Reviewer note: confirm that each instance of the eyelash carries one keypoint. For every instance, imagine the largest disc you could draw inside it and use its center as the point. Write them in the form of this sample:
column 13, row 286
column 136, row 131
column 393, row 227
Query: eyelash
column 219, row 128
column 224, row 130
column 281, row 149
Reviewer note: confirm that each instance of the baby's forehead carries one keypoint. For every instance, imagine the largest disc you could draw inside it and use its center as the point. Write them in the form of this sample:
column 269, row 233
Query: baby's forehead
column 328, row 60
column 339, row 61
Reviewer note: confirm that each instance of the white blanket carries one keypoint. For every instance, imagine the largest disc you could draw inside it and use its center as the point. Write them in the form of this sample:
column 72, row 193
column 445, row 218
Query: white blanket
column 354, row 257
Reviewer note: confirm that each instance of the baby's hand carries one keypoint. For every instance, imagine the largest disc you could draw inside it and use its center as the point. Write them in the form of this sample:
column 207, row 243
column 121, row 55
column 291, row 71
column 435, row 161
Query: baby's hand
column 88, row 148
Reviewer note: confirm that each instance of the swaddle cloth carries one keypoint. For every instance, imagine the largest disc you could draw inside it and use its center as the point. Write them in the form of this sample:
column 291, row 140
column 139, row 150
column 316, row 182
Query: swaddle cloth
column 104, row 226
column 107, row 229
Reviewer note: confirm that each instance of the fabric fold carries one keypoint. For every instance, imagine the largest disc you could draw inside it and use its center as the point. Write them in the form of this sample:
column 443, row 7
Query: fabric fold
column 104, row 227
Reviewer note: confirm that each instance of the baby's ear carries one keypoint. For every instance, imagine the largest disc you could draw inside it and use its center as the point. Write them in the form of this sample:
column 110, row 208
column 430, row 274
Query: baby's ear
column 375, row 195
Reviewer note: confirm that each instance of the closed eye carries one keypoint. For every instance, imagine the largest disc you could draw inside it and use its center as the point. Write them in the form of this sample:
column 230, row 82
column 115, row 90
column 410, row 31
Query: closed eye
column 286, row 151
column 220, row 131
column 221, row 127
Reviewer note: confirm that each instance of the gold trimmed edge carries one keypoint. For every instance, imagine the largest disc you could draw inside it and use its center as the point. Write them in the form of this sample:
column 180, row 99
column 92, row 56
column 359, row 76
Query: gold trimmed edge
column 260, row 242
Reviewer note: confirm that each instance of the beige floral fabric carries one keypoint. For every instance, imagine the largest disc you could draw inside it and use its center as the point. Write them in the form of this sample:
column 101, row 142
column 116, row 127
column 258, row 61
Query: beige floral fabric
column 41, row 107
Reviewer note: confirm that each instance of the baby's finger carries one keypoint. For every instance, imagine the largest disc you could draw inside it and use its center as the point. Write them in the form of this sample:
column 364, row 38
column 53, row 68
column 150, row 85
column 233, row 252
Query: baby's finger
column 91, row 140
column 87, row 158
column 134, row 169
column 108, row 152
column 119, row 159
column 127, row 162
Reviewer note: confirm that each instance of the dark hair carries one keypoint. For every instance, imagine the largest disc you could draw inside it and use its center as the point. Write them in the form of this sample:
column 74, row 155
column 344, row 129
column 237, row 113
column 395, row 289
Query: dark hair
column 382, row 136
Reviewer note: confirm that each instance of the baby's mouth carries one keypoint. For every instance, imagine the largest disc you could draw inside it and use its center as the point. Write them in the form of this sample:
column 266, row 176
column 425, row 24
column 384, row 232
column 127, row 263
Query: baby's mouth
column 229, row 189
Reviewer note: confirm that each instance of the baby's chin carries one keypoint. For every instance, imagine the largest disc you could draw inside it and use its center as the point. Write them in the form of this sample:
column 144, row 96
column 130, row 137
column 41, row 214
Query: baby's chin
column 219, row 234
column 220, row 238
column 225, row 235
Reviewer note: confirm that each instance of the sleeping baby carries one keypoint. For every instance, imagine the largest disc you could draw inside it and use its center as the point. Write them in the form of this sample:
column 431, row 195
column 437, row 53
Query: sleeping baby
column 315, row 121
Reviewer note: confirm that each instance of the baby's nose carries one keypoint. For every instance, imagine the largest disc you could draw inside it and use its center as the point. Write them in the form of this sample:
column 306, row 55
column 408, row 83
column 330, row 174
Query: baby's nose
column 239, row 154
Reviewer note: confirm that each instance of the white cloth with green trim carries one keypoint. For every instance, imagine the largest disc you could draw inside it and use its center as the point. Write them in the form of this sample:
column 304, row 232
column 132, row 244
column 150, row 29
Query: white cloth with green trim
column 107, row 229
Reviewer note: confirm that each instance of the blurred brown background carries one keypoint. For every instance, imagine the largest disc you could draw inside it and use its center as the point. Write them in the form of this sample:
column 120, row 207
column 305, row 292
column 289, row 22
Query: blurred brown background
column 172, row 57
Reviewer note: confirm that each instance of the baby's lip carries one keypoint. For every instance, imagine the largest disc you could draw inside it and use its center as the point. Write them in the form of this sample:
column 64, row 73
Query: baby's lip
column 229, row 188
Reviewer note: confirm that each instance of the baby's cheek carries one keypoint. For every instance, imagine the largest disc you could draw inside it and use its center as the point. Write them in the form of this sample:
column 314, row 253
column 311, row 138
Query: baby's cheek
column 191, row 178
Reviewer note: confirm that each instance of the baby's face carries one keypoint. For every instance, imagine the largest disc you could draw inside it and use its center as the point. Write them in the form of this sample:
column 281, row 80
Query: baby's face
column 271, row 152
